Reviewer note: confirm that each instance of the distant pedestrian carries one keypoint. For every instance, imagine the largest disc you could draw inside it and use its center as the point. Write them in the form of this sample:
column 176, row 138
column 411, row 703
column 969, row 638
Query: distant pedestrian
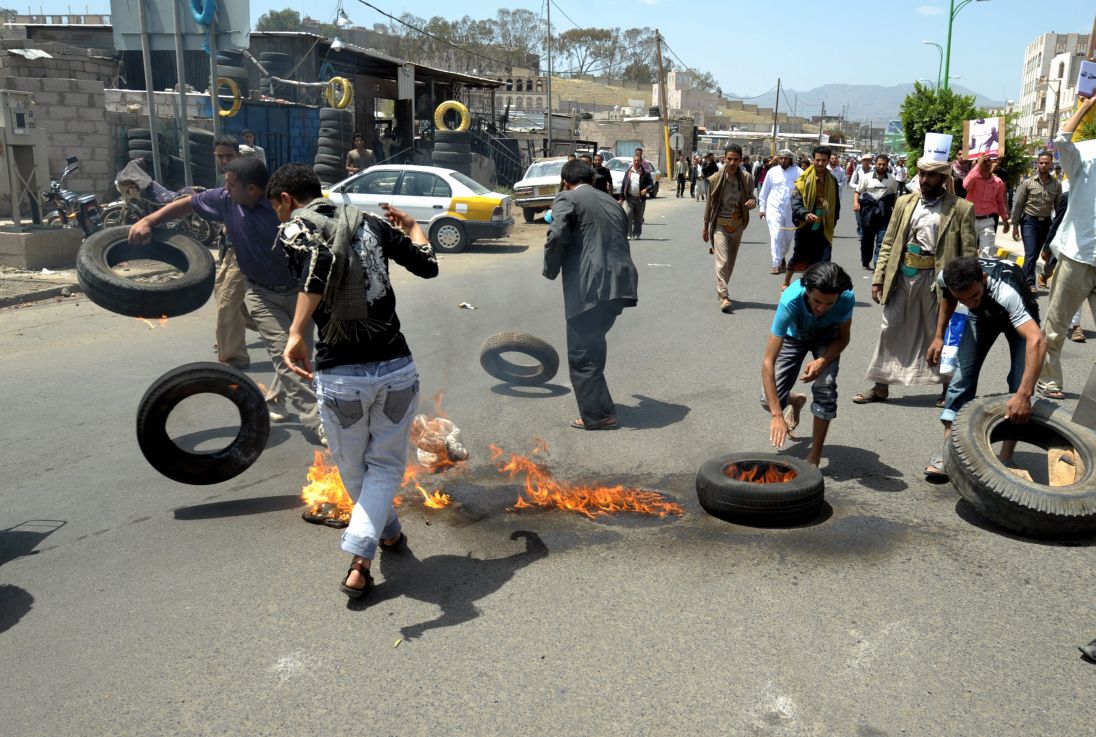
column 838, row 172
column 776, row 208
column 902, row 174
column 588, row 244
column 249, row 140
column 987, row 193
column 360, row 158
column 694, row 173
column 725, row 218
column 861, row 171
column 603, row 178
column 1032, row 212
column 815, row 211
column 707, row 169
column 635, row 188
column 872, row 201
column 681, row 171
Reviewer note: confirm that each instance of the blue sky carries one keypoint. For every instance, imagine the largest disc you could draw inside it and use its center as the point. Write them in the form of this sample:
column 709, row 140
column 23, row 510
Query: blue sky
column 747, row 45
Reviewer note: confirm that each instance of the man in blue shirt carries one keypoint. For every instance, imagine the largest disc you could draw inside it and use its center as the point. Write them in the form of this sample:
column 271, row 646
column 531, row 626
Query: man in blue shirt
column 271, row 296
column 814, row 316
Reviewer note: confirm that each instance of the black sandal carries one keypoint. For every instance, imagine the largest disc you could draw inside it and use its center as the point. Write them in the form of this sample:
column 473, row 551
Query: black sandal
column 398, row 545
column 352, row 592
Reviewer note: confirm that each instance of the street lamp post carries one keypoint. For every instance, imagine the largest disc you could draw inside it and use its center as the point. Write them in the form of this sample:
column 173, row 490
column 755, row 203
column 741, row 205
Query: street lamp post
column 1057, row 109
column 939, row 64
column 953, row 11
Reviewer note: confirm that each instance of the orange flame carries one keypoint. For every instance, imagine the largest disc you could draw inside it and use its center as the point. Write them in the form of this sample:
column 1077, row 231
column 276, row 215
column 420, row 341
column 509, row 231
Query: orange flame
column 146, row 322
column 435, row 499
column 543, row 491
column 325, row 487
column 162, row 321
column 759, row 473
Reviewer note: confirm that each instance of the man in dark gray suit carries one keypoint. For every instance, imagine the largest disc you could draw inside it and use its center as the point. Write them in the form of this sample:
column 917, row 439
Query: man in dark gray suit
column 588, row 242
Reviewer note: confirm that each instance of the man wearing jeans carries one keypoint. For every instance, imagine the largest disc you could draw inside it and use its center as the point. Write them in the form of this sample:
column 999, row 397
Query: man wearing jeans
column 270, row 298
column 1075, row 276
column 986, row 192
column 1033, row 210
column 997, row 305
column 366, row 380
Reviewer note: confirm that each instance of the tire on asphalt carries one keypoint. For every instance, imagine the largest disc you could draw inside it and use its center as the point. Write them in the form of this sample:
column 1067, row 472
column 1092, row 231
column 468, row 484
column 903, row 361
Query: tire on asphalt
column 202, row 468
column 108, row 247
column 528, row 213
column 448, row 235
column 492, row 361
column 1023, row 506
column 786, row 503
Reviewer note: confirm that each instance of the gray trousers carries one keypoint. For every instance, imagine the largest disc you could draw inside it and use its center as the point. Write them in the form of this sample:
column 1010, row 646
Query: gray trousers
column 636, row 206
column 273, row 314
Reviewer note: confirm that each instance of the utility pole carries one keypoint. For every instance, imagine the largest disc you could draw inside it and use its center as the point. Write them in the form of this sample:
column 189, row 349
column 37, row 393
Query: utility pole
column 548, row 117
column 776, row 111
column 663, row 112
column 871, row 135
column 150, row 97
column 821, row 122
column 180, row 73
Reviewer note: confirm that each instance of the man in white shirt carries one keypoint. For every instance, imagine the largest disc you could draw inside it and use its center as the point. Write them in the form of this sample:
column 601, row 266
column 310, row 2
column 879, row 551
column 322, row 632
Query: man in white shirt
column 872, row 201
column 901, row 174
column 249, row 140
column 838, row 174
column 1075, row 243
column 776, row 207
column 861, row 171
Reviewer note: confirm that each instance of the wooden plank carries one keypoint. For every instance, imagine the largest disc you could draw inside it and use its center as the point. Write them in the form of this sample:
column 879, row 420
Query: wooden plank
column 1022, row 473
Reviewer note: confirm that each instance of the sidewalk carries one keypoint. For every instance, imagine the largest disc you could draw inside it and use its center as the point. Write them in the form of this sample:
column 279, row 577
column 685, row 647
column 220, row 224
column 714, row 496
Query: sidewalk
column 19, row 288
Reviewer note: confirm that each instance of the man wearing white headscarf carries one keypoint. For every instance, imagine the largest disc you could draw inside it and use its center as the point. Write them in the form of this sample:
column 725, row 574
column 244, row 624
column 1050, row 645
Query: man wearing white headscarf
column 776, row 207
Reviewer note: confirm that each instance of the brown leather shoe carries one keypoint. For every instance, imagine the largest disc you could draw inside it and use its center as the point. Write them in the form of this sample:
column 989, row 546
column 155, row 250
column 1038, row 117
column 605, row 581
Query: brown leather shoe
column 725, row 306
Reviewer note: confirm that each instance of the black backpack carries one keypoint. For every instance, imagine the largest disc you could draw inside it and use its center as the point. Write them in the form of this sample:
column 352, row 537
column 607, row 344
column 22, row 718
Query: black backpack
column 1013, row 275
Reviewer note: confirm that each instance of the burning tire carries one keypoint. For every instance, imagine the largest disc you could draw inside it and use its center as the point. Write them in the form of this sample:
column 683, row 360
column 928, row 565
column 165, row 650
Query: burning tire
column 202, row 468
column 731, row 487
column 109, row 247
column 1016, row 503
column 546, row 357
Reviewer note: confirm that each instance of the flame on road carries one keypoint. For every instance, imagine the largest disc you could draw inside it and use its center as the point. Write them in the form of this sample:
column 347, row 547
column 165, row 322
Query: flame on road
column 543, row 491
column 162, row 322
column 759, row 473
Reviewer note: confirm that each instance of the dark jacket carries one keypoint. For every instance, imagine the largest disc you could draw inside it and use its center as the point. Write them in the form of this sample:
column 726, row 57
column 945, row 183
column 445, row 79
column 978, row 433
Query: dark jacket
column 876, row 213
column 588, row 243
column 646, row 182
column 603, row 179
column 745, row 193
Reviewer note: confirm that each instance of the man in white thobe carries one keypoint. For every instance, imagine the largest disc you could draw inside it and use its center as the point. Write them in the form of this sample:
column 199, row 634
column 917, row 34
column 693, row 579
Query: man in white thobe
column 776, row 207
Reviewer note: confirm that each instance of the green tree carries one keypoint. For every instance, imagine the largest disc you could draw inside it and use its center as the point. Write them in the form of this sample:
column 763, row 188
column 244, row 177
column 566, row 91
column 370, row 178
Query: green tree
column 586, row 47
column 279, row 20
column 931, row 110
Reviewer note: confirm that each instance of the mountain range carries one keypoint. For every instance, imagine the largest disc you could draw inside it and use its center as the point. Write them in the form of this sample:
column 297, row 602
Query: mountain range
column 865, row 101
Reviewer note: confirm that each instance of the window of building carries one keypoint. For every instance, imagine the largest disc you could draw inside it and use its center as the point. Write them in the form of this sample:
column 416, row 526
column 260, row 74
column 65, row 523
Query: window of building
column 509, row 85
column 1061, row 70
column 528, row 85
column 540, row 85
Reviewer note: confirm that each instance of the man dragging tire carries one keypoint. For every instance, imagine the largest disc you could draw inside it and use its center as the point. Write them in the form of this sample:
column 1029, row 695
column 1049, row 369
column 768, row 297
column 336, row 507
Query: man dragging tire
column 588, row 244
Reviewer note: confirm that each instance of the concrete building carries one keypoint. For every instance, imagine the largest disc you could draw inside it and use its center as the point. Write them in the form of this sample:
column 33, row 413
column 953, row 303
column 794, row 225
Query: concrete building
column 682, row 99
column 1060, row 94
column 1038, row 59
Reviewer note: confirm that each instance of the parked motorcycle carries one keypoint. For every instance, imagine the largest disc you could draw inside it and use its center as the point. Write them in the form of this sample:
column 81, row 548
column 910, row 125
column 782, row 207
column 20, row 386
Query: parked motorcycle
column 142, row 195
column 69, row 209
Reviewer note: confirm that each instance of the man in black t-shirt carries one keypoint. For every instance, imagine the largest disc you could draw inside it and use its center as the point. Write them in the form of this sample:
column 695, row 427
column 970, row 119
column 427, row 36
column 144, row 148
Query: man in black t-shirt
column 366, row 381
column 603, row 178
column 996, row 305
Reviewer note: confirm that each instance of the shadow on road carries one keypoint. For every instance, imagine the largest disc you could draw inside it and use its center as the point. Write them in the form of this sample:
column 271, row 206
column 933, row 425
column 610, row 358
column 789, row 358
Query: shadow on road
column 739, row 305
column 541, row 391
column 238, row 507
column 14, row 603
column 452, row 582
column 650, row 414
column 863, row 466
column 969, row 514
column 496, row 248
column 191, row 441
column 15, row 542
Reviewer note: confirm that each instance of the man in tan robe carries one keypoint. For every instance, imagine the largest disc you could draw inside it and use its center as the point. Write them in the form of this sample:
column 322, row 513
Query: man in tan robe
column 928, row 229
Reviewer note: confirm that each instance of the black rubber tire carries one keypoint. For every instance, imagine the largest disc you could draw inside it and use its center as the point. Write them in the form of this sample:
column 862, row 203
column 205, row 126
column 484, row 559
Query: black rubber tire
column 275, row 56
column 115, row 214
column 232, row 72
column 330, row 151
column 1017, row 504
column 443, row 135
column 528, row 213
column 493, row 363
column 336, row 115
column 202, row 468
column 140, row 144
column 333, row 161
column 200, row 135
column 448, row 235
column 789, row 503
column 143, row 134
column 343, row 135
column 338, row 171
column 102, row 250
column 453, row 148
column 342, row 144
column 451, row 161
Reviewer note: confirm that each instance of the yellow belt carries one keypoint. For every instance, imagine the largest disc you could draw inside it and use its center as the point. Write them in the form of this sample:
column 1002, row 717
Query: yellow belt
column 919, row 261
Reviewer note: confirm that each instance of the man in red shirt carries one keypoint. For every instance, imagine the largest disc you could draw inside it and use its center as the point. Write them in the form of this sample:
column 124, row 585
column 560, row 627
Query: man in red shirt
column 986, row 192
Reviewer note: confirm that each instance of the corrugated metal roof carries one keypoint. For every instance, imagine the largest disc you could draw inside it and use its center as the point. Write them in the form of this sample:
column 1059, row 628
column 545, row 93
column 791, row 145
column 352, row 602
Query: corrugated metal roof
column 428, row 71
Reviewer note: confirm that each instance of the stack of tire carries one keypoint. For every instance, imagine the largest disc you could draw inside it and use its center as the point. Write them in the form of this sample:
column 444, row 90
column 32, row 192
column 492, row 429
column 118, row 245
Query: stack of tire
column 202, row 165
column 276, row 64
column 139, row 146
column 453, row 145
column 335, row 140
column 231, row 64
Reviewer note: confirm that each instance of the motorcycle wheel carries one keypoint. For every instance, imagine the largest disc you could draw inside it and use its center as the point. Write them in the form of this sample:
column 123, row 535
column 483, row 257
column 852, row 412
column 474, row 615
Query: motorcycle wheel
column 119, row 214
column 55, row 219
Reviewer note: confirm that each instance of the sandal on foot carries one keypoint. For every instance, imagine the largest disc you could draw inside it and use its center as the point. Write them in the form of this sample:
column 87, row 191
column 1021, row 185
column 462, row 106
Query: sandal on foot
column 610, row 423
column 935, row 469
column 352, row 592
column 795, row 406
column 400, row 543
column 870, row 396
column 1051, row 393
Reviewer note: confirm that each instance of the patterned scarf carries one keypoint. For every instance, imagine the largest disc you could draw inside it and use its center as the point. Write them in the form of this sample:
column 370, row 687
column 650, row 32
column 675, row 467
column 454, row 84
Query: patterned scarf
column 806, row 186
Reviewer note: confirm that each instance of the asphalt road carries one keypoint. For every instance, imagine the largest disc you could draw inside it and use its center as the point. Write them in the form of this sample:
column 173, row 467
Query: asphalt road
column 151, row 608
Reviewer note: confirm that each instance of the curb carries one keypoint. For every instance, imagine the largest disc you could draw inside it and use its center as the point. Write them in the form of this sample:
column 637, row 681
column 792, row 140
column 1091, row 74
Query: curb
column 40, row 295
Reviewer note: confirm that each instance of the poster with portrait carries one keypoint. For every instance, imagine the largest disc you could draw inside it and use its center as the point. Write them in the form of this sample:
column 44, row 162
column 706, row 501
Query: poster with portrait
column 984, row 137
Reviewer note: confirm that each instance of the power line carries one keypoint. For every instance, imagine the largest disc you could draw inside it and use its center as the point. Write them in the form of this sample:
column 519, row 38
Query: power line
column 576, row 25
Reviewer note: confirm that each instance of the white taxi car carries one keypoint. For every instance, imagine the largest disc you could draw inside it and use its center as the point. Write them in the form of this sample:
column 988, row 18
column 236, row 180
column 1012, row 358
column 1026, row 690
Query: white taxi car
column 540, row 185
column 452, row 208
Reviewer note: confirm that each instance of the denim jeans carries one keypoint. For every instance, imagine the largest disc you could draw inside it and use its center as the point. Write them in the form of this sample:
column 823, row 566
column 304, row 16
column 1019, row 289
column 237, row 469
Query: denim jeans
column 978, row 337
column 366, row 410
column 789, row 362
column 1034, row 232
